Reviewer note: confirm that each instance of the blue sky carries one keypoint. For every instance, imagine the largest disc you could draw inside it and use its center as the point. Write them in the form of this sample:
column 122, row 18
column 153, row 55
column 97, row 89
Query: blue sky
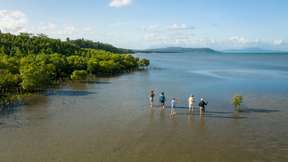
column 220, row 24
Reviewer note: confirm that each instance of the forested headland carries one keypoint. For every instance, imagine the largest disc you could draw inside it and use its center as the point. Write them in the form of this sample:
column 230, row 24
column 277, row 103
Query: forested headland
column 32, row 62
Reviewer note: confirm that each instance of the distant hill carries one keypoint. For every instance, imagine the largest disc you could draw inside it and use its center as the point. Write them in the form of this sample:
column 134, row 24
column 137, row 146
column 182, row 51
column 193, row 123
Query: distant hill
column 82, row 43
column 252, row 50
column 177, row 50
column 26, row 43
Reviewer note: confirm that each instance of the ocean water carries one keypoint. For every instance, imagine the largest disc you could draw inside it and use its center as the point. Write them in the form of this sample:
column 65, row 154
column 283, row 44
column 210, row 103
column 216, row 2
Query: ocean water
column 110, row 120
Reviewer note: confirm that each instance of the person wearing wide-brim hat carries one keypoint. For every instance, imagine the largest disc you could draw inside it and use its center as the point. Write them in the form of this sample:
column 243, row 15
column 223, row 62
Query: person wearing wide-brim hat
column 202, row 105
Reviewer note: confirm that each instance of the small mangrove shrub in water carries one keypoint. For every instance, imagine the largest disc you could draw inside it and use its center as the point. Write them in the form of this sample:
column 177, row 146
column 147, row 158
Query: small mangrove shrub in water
column 144, row 63
column 79, row 75
column 237, row 101
column 10, row 101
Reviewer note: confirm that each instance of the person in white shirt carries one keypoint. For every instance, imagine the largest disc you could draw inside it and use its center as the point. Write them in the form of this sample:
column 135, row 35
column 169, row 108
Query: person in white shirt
column 191, row 101
column 151, row 97
column 173, row 105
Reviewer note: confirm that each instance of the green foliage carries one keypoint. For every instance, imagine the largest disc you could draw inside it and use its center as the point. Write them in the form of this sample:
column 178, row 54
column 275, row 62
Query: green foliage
column 109, row 67
column 9, row 63
column 8, row 80
column 79, row 75
column 77, row 62
column 82, row 43
column 34, row 62
column 93, row 66
column 25, row 43
column 37, row 75
column 144, row 62
column 236, row 101
column 61, row 64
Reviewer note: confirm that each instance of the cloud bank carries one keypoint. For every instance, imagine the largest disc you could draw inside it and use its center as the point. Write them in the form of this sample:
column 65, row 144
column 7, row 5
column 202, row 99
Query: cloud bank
column 15, row 21
column 120, row 3
column 12, row 21
column 188, row 36
column 174, row 34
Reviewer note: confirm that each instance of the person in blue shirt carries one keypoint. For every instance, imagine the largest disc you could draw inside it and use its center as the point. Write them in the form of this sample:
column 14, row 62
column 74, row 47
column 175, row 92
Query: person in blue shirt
column 162, row 100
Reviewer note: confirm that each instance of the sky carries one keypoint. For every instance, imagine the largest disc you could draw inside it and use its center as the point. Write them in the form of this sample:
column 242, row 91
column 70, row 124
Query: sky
column 141, row 24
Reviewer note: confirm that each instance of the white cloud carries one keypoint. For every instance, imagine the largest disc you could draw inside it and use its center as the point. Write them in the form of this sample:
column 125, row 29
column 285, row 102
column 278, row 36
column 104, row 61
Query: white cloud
column 278, row 42
column 180, row 27
column 55, row 29
column 15, row 21
column 234, row 42
column 120, row 3
column 174, row 34
column 170, row 28
column 238, row 40
column 12, row 21
column 152, row 27
column 46, row 27
column 153, row 37
column 185, row 35
column 168, row 39
column 63, row 30
column 69, row 30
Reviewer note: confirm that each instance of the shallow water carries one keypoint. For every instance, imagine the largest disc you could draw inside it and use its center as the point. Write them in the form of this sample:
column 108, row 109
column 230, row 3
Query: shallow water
column 110, row 120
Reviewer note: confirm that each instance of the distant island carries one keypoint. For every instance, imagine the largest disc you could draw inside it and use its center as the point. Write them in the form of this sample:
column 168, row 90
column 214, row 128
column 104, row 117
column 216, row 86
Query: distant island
column 177, row 50
column 253, row 50
column 207, row 50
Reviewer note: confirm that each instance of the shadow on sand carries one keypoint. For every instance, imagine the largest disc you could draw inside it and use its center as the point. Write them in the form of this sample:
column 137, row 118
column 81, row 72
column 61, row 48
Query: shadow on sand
column 223, row 114
column 96, row 82
column 67, row 93
column 214, row 115
column 258, row 110
column 244, row 110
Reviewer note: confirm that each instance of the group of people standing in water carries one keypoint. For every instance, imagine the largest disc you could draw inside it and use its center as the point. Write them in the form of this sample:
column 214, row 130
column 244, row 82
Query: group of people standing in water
column 191, row 102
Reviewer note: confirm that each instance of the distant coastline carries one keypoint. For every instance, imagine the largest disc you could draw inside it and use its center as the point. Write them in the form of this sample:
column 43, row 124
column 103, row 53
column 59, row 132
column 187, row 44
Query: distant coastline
column 177, row 50
column 209, row 50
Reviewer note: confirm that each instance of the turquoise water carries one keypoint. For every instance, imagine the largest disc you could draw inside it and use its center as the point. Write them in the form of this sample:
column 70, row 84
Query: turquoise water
column 110, row 120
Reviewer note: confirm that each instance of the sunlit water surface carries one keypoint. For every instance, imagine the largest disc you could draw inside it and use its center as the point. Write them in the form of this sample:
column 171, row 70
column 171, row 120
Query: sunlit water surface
column 110, row 120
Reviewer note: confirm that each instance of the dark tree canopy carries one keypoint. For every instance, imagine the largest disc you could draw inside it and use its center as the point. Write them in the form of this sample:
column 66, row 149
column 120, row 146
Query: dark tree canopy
column 82, row 43
column 26, row 43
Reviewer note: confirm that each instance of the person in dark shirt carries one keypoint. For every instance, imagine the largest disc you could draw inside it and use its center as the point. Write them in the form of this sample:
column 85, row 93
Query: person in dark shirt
column 202, row 105
column 151, row 97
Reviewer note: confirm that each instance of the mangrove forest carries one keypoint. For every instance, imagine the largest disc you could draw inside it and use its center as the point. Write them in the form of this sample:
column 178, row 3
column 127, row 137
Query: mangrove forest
column 29, row 62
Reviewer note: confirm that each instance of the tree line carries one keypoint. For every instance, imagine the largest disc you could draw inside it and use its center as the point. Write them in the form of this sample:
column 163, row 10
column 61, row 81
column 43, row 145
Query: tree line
column 29, row 62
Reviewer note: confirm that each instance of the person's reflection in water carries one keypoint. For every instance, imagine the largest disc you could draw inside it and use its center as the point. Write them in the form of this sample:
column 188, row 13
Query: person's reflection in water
column 202, row 123
column 190, row 120
column 151, row 98
column 151, row 115
column 236, row 116
column 174, row 121
column 162, row 116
